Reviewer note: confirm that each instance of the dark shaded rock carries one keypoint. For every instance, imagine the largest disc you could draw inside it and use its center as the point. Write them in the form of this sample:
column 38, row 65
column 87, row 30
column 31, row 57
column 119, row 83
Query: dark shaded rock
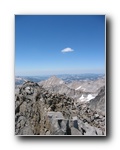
column 98, row 103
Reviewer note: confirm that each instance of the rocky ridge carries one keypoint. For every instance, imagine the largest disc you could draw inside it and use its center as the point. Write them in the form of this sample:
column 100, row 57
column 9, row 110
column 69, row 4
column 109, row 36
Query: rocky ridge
column 41, row 112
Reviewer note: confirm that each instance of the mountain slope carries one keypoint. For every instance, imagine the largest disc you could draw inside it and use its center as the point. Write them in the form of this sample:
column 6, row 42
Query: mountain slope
column 52, row 81
column 98, row 103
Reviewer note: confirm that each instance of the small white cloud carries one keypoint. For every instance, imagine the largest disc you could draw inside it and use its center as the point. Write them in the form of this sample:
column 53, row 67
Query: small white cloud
column 65, row 50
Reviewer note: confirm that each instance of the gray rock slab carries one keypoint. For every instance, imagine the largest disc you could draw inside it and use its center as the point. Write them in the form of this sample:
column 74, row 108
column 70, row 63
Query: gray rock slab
column 75, row 131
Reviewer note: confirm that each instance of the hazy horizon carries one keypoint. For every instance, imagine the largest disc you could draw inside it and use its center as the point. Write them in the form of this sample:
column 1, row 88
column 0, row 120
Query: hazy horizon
column 62, row 74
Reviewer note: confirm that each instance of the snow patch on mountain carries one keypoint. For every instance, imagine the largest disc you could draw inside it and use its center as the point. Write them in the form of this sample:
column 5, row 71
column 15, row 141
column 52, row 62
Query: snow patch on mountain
column 81, row 98
column 88, row 98
column 78, row 88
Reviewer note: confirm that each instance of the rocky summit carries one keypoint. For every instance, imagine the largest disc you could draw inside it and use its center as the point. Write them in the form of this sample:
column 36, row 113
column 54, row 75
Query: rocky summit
column 39, row 111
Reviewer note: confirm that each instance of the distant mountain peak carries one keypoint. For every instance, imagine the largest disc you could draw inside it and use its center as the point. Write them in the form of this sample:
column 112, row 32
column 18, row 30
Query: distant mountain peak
column 53, row 77
column 53, row 80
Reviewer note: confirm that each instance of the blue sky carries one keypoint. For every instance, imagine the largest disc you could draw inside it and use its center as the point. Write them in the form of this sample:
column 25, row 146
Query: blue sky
column 58, row 44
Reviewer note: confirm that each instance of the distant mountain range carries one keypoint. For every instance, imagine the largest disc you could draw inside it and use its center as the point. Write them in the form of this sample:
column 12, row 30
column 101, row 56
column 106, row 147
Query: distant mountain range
column 68, row 78
column 84, row 90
